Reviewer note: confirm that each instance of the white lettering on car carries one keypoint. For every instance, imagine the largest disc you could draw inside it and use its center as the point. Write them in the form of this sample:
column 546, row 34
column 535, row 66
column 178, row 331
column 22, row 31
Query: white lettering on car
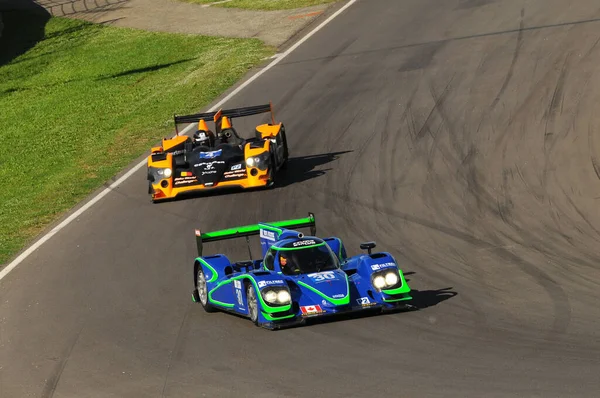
column 266, row 283
column 304, row 243
column 268, row 235
column 321, row 276
column 376, row 267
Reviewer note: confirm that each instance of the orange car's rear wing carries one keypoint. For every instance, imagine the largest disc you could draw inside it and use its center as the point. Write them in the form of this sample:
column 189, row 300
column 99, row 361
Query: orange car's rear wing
column 230, row 113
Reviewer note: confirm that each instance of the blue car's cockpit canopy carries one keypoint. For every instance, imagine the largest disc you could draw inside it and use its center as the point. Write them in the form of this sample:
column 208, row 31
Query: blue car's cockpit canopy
column 301, row 256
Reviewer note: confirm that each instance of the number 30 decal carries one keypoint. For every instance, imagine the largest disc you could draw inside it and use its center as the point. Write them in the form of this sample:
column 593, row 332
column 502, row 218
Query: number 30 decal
column 322, row 276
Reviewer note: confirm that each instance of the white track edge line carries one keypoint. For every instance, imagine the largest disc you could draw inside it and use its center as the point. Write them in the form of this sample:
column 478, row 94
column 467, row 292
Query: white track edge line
column 135, row 168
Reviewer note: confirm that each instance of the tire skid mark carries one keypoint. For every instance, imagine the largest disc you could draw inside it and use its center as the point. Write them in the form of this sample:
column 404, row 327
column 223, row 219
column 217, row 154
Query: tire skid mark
column 178, row 349
column 557, row 295
column 552, row 248
column 528, row 187
column 403, row 170
column 593, row 158
column 579, row 212
column 530, row 99
column 347, row 211
column 505, row 208
column 480, row 315
column 53, row 380
column 382, row 194
column 555, row 108
column 511, row 68
column 437, row 103
column 548, row 248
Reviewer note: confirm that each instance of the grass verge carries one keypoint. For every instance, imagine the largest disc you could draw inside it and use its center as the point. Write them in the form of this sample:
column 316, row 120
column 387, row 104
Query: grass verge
column 86, row 100
column 266, row 5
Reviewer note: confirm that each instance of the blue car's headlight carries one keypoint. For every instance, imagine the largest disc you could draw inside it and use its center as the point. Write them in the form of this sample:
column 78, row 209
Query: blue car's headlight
column 276, row 295
column 385, row 279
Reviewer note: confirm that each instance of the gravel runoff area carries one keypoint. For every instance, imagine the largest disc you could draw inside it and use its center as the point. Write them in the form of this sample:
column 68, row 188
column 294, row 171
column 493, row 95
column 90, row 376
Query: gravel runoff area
column 274, row 28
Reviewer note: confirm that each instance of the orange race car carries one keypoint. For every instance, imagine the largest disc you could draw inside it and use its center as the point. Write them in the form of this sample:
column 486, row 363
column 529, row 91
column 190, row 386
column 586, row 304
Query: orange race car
column 220, row 159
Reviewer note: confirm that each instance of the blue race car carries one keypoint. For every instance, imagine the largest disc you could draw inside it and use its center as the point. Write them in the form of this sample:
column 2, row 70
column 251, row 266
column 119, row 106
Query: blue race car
column 299, row 276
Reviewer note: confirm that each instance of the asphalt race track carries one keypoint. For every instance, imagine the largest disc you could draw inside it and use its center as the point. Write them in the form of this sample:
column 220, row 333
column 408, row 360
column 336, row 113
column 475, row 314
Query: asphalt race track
column 461, row 135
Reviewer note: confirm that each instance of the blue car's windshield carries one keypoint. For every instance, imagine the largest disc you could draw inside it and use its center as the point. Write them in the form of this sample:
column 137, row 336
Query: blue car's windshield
column 306, row 260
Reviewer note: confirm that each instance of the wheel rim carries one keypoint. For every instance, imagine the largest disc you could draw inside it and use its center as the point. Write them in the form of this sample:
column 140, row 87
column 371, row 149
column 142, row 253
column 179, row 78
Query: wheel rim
column 202, row 287
column 252, row 305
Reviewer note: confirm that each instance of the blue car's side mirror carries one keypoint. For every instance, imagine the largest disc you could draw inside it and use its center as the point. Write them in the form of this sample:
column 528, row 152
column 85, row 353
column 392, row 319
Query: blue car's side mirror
column 368, row 246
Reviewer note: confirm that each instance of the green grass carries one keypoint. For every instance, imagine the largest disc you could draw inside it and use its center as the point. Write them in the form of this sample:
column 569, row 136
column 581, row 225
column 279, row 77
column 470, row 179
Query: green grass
column 86, row 100
column 264, row 4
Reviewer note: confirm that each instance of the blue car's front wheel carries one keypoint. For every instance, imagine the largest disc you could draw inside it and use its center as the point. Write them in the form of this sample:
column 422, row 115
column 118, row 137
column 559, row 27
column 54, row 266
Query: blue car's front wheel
column 202, row 289
column 252, row 303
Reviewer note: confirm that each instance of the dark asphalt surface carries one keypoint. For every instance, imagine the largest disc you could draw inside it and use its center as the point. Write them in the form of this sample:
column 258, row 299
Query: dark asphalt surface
column 462, row 136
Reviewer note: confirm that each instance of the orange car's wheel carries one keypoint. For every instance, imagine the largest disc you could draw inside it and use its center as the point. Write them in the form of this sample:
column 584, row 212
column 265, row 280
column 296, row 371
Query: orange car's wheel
column 272, row 172
column 286, row 153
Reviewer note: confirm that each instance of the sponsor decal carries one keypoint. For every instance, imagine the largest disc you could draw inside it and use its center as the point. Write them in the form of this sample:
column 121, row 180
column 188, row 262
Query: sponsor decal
column 184, row 180
column 311, row 309
column 209, row 165
column 211, row 154
column 304, row 243
column 205, row 172
column 238, row 293
column 376, row 267
column 365, row 302
column 326, row 303
column 236, row 167
column 186, row 174
column 322, row 276
column 268, row 235
column 338, row 295
column 267, row 283
column 235, row 174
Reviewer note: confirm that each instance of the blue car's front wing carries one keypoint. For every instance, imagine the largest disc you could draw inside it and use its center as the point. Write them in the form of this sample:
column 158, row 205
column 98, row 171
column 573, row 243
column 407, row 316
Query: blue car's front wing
column 300, row 319
column 362, row 298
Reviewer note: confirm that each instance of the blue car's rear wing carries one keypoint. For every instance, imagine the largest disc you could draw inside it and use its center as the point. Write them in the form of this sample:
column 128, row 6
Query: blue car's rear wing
column 254, row 229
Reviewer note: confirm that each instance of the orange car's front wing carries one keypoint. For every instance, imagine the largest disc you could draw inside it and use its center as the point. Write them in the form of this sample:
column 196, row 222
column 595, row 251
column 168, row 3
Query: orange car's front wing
column 172, row 187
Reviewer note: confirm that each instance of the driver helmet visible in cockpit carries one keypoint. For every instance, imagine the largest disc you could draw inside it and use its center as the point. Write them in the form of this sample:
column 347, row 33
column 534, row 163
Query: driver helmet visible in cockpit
column 288, row 265
column 202, row 138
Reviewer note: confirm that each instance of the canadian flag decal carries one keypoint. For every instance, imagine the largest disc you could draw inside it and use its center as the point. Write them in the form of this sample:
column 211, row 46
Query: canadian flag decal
column 311, row 309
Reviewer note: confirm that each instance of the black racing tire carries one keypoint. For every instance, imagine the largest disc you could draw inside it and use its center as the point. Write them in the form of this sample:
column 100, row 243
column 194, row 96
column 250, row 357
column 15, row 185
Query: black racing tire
column 202, row 290
column 253, row 303
column 286, row 152
column 272, row 172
